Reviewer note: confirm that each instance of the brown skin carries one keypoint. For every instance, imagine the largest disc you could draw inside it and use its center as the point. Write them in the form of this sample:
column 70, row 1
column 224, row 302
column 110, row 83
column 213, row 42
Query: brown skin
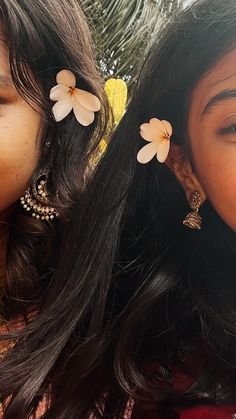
column 211, row 168
column 19, row 131
column 20, row 127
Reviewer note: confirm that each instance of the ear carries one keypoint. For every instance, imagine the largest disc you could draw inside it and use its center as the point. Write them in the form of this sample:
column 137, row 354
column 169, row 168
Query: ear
column 178, row 162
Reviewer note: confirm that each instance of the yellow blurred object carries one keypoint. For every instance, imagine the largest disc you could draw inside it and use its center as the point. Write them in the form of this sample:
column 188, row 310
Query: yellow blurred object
column 117, row 93
column 102, row 146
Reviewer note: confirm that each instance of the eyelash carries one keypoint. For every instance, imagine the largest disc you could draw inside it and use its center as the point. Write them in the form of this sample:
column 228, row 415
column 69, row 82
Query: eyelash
column 228, row 130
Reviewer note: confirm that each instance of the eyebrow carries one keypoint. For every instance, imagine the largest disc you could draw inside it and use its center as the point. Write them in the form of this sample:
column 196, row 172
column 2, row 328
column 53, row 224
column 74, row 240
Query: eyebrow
column 215, row 100
column 5, row 81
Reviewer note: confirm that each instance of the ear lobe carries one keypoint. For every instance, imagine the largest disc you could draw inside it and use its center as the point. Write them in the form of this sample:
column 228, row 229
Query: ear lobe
column 179, row 164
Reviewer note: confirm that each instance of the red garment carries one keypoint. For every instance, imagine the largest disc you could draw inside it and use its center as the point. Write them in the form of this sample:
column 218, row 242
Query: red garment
column 193, row 413
column 181, row 382
column 208, row 413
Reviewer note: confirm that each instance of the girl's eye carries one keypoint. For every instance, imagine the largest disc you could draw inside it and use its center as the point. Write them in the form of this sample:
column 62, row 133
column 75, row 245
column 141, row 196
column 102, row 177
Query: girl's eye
column 3, row 101
column 228, row 130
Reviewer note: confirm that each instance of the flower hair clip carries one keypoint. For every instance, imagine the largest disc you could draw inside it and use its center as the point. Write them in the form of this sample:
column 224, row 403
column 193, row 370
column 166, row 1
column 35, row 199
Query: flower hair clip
column 68, row 97
column 158, row 134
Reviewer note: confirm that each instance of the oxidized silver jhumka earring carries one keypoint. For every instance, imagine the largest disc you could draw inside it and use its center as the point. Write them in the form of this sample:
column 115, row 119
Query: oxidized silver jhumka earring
column 193, row 219
column 36, row 200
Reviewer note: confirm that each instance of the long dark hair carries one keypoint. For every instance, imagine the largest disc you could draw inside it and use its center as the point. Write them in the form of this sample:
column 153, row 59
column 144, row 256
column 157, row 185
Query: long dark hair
column 43, row 37
column 127, row 285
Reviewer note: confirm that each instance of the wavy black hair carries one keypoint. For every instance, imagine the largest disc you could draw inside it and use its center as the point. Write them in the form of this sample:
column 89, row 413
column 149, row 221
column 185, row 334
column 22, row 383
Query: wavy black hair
column 150, row 290
column 125, row 285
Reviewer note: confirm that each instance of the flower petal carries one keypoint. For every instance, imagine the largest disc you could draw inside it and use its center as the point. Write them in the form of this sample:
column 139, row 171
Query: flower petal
column 83, row 116
column 157, row 122
column 87, row 100
column 62, row 108
column 67, row 78
column 151, row 133
column 168, row 127
column 146, row 154
column 163, row 150
column 58, row 92
column 164, row 128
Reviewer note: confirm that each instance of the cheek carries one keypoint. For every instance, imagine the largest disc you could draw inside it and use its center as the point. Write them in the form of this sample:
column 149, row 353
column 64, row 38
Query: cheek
column 19, row 152
column 215, row 166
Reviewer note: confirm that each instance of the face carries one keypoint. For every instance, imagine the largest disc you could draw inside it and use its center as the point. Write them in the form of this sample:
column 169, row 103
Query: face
column 19, row 139
column 212, row 131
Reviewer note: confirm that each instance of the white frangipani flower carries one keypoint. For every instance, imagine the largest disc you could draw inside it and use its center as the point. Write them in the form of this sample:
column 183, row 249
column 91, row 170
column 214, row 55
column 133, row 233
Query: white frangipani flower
column 68, row 97
column 158, row 134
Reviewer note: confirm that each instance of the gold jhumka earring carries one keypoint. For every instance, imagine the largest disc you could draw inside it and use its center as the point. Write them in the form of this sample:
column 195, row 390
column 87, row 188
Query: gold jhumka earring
column 194, row 220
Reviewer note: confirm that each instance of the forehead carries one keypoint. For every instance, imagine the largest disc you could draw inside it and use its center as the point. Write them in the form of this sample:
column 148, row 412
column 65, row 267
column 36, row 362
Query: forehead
column 221, row 77
column 5, row 79
column 4, row 55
